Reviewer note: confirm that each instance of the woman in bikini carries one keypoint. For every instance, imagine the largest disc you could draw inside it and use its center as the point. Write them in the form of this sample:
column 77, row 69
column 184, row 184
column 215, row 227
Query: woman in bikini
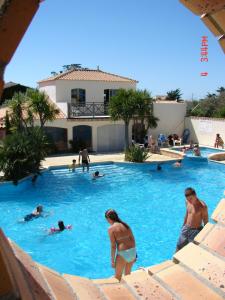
column 123, row 251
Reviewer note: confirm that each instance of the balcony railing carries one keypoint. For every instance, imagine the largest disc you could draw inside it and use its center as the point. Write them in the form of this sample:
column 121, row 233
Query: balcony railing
column 93, row 109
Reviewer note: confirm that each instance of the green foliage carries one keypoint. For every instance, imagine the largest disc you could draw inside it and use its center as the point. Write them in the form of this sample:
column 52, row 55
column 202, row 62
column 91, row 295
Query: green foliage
column 174, row 95
column 212, row 106
column 129, row 104
column 39, row 105
column 26, row 145
column 22, row 153
column 136, row 154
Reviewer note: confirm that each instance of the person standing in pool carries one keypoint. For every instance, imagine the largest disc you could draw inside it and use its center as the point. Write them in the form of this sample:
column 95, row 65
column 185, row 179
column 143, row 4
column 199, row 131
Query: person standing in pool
column 123, row 251
column 196, row 214
column 85, row 160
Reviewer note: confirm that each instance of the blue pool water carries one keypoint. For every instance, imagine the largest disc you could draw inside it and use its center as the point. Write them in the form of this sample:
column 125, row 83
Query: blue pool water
column 205, row 151
column 151, row 202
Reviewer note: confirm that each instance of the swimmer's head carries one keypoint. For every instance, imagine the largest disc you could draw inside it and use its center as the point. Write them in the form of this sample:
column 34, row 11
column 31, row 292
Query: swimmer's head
column 96, row 173
column 61, row 225
column 159, row 168
column 39, row 208
column 74, row 161
column 179, row 161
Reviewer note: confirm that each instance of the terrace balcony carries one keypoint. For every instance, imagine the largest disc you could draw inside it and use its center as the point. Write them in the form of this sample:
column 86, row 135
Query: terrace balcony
column 89, row 110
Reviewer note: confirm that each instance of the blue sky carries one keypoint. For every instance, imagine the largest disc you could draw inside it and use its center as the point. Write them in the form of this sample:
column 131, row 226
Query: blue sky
column 155, row 42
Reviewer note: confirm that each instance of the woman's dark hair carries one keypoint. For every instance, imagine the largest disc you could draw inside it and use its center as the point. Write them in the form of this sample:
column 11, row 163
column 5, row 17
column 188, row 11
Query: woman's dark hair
column 112, row 215
column 190, row 190
column 61, row 225
column 96, row 173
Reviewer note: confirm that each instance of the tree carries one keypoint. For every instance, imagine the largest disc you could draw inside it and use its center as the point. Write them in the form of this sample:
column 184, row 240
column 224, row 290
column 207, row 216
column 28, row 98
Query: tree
column 22, row 153
column 39, row 105
column 144, row 111
column 174, row 95
column 25, row 147
column 220, row 90
column 129, row 104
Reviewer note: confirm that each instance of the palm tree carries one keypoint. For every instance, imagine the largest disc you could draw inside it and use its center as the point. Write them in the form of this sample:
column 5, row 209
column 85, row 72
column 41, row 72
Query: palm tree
column 174, row 95
column 130, row 104
column 39, row 104
column 122, row 106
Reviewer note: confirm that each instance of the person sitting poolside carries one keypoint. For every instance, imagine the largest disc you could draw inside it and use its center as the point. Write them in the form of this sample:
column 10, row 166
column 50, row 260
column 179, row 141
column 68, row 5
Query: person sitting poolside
column 196, row 150
column 38, row 212
column 219, row 141
column 178, row 164
column 72, row 167
column 97, row 175
column 61, row 227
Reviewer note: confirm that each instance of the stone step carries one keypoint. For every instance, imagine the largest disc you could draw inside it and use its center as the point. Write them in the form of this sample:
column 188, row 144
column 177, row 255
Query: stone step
column 214, row 240
column 219, row 213
column 115, row 290
column 59, row 286
column 34, row 278
column 146, row 287
column 84, row 288
column 206, row 266
column 185, row 285
column 203, row 233
column 157, row 268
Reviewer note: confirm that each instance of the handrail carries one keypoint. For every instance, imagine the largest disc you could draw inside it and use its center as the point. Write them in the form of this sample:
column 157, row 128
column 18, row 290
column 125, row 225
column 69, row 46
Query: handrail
column 89, row 109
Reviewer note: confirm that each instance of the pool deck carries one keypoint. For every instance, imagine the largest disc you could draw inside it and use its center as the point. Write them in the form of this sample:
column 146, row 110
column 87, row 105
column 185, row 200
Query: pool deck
column 97, row 158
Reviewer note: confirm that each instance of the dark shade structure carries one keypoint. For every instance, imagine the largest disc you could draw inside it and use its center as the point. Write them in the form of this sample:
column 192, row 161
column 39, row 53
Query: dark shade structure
column 212, row 13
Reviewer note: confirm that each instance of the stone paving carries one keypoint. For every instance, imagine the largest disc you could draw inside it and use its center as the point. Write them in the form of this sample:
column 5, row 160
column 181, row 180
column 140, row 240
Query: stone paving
column 95, row 158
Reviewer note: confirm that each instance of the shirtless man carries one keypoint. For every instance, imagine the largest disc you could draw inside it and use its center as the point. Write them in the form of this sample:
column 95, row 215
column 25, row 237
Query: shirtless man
column 85, row 159
column 196, row 213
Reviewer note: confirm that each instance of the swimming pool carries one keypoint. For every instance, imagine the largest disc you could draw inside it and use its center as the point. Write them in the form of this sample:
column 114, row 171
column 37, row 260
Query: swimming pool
column 151, row 202
column 205, row 151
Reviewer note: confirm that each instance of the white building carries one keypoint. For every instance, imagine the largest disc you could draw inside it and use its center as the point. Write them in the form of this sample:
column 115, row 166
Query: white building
column 83, row 96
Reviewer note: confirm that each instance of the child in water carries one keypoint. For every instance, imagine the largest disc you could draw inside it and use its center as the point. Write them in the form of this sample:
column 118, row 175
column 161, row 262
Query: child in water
column 35, row 214
column 72, row 167
column 61, row 227
column 97, row 175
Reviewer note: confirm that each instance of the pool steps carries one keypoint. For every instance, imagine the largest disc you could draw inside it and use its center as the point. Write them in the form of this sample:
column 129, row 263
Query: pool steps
column 196, row 272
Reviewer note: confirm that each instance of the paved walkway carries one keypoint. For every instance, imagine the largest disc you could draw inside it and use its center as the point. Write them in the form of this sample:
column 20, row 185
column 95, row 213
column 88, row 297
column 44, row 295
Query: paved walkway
column 95, row 158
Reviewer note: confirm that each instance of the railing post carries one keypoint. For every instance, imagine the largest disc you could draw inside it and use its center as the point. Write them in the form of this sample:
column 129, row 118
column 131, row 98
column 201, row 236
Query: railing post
column 68, row 110
column 93, row 109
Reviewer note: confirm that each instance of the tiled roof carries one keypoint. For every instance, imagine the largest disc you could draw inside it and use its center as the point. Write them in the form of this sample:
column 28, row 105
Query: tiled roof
column 89, row 75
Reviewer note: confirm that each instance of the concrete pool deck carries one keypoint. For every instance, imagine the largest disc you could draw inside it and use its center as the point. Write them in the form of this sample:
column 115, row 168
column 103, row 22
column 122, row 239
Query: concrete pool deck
column 96, row 158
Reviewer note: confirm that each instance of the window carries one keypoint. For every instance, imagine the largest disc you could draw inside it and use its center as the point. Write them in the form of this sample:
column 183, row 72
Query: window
column 108, row 94
column 78, row 96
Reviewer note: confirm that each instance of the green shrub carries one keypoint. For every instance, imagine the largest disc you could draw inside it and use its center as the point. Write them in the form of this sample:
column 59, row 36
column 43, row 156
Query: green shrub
column 136, row 154
column 22, row 152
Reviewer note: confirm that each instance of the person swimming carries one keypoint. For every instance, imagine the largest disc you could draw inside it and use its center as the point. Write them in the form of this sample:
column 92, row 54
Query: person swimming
column 159, row 168
column 38, row 212
column 97, row 175
column 61, row 227
column 178, row 164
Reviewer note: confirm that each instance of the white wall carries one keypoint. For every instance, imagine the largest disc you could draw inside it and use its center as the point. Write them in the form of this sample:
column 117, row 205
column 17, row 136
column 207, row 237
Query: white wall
column 171, row 117
column 204, row 130
column 49, row 88
column 60, row 90
column 94, row 89
column 70, row 123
